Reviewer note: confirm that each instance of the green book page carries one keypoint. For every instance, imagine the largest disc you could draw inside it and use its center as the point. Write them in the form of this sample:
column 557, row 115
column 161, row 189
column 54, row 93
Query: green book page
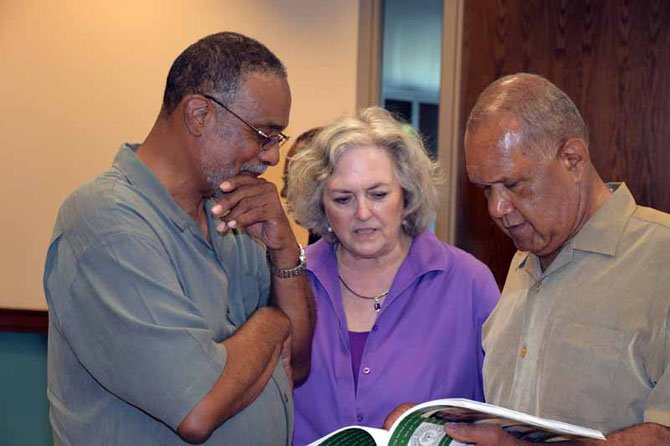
column 421, row 428
column 350, row 437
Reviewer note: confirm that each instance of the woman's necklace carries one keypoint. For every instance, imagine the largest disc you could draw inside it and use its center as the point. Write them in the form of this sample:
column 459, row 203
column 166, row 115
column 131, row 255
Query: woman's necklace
column 377, row 299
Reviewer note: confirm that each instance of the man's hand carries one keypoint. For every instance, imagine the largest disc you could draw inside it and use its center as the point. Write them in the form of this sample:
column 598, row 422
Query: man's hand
column 253, row 204
column 395, row 414
column 482, row 435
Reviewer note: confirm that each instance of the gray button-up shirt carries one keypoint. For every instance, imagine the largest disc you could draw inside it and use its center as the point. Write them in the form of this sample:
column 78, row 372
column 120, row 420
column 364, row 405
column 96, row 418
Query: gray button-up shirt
column 139, row 302
column 587, row 341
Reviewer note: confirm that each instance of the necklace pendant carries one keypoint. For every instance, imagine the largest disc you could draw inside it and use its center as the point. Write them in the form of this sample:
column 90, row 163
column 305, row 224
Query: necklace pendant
column 377, row 306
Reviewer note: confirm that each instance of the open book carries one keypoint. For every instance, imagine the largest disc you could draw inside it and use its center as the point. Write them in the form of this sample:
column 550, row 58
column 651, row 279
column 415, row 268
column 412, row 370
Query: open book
column 423, row 425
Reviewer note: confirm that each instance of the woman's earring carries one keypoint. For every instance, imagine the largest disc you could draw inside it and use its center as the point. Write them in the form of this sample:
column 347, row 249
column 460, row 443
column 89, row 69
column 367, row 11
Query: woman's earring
column 329, row 229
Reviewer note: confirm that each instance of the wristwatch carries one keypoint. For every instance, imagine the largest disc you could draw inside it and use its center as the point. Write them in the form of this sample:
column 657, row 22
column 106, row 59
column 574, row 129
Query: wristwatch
column 290, row 272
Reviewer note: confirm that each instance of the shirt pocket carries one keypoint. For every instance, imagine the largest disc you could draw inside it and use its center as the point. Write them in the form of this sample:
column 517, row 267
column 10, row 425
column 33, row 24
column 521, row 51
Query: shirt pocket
column 577, row 379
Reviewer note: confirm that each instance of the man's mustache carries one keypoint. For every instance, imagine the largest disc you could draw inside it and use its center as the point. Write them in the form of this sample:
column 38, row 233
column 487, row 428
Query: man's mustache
column 256, row 169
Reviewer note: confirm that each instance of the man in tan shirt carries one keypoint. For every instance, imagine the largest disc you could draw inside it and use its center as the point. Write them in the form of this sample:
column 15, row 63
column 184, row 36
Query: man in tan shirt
column 581, row 333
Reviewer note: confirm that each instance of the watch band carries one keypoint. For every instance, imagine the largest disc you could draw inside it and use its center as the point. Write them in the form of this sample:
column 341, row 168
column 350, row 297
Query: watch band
column 290, row 272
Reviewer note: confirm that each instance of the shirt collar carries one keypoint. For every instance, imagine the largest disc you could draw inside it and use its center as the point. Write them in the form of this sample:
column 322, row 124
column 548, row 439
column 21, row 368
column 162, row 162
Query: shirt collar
column 140, row 176
column 600, row 234
column 423, row 256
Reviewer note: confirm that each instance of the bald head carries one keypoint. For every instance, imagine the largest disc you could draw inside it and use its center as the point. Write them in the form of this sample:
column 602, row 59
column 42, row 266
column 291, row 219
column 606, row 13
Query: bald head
column 545, row 114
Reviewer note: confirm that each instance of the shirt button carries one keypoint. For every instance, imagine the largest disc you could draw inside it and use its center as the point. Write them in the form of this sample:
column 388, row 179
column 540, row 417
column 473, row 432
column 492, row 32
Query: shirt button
column 523, row 351
column 538, row 287
column 359, row 418
column 366, row 370
column 375, row 327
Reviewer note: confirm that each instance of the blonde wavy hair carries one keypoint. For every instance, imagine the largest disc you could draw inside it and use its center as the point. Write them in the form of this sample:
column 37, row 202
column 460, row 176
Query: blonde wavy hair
column 419, row 177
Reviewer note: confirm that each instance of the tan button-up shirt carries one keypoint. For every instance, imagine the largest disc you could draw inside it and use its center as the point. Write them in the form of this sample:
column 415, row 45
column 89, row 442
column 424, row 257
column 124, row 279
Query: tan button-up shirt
column 588, row 340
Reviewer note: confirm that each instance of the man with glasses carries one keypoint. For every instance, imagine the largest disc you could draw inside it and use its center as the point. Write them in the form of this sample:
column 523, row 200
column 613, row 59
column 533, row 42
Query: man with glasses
column 179, row 310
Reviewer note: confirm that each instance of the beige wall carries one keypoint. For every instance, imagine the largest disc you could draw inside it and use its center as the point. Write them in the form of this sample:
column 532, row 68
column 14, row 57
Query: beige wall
column 79, row 77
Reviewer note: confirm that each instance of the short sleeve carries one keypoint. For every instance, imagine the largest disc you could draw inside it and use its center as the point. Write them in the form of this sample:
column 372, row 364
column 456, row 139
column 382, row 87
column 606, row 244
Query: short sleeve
column 134, row 330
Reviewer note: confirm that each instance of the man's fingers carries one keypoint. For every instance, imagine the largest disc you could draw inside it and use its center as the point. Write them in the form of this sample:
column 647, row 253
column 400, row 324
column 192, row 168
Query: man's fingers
column 250, row 210
column 253, row 204
column 239, row 189
column 245, row 220
column 239, row 180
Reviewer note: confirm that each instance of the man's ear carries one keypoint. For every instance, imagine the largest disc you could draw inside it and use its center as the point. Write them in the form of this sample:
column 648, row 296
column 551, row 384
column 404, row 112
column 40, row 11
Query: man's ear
column 196, row 112
column 574, row 155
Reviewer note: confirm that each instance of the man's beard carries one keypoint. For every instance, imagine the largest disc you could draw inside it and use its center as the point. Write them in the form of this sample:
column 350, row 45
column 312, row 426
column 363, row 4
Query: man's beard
column 216, row 177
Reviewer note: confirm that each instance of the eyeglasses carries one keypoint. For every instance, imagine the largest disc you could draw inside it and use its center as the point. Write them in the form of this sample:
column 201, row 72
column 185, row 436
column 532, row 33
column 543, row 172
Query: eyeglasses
column 266, row 141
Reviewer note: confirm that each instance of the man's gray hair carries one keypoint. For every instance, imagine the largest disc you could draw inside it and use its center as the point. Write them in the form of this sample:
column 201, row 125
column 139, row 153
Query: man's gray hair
column 547, row 116
column 217, row 64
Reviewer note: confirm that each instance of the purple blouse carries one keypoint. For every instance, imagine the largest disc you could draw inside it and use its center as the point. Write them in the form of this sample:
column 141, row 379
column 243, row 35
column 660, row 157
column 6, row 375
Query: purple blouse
column 426, row 343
